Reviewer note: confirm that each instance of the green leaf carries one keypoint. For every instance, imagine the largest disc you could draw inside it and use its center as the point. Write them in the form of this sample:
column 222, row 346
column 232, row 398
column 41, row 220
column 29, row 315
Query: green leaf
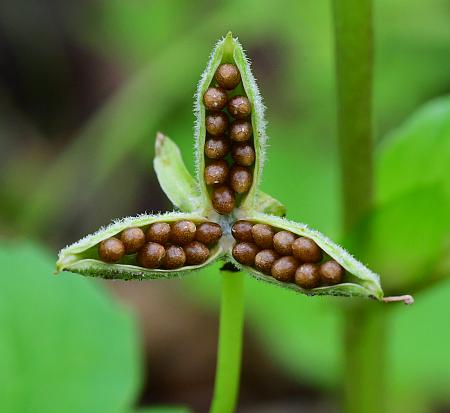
column 173, row 176
column 65, row 345
column 82, row 256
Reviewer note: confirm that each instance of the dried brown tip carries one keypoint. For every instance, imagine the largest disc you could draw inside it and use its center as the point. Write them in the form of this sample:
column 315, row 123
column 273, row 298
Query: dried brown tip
column 406, row 299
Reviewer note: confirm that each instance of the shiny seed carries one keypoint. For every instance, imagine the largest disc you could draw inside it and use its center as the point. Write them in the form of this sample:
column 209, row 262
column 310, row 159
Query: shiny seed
column 216, row 124
column 242, row 231
column 265, row 259
column 245, row 253
column 183, row 232
column 216, row 172
column 241, row 130
column 196, row 253
column 239, row 107
column 228, row 76
column 158, row 232
column 243, row 154
column 208, row 233
column 263, row 235
column 133, row 239
column 240, row 179
column 306, row 250
column 215, row 98
column 111, row 250
column 217, row 148
column 174, row 258
column 282, row 241
column 284, row 268
column 307, row 276
column 331, row 272
column 151, row 255
column 223, row 199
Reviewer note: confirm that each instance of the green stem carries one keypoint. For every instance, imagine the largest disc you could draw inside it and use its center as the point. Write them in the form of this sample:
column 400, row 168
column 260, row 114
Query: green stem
column 365, row 329
column 228, row 370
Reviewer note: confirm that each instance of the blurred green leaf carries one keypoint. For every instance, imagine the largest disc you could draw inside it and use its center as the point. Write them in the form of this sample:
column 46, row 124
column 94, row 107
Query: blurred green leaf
column 65, row 346
column 163, row 409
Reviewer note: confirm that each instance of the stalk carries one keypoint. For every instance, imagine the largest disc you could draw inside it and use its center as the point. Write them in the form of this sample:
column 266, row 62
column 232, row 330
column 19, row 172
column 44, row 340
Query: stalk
column 226, row 388
column 365, row 325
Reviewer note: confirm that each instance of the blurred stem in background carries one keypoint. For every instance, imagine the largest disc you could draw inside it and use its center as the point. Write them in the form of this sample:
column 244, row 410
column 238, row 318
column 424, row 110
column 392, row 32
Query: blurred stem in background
column 364, row 347
column 226, row 388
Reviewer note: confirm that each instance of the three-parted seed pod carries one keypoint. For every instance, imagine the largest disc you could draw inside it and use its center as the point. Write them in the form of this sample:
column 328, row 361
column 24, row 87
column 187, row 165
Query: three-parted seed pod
column 228, row 120
column 285, row 256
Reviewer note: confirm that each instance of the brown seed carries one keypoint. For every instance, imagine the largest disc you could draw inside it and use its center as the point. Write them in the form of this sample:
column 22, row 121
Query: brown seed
column 196, row 253
column 265, row 259
column 223, row 199
column 208, row 233
column 239, row 107
column 111, row 250
column 240, row 179
column 263, row 235
column 241, row 130
column 216, row 172
column 133, row 239
column 331, row 272
column 216, row 123
column 158, row 232
column 217, row 148
column 151, row 255
column 245, row 253
column 307, row 276
column 242, row 231
column 284, row 268
column 228, row 76
column 215, row 99
column 306, row 250
column 174, row 258
column 282, row 241
column 243, row 154
column 183, row 232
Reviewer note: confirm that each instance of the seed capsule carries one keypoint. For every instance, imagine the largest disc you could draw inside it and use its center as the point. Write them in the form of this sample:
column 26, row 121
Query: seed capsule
column 215, row 99
column 282, row 241
column 284, row 268
column 133, row 239
column 183, row 232
column 243, row 154
column 111, row 250
column 196, row 253
column 239, row 107
column 241, row 130
column 240, row 179
column 306, row 250
column 217, row 148
column 151, row 255
column 307, row 276
column 208, row 233
column 216, row 173
column 245, row 253
column 216, row 123
column 331, row 272
column 263, row 235
column 228, row 76
column 223, row 200
column 265, row 259
column 242, row 231
column 174, row 258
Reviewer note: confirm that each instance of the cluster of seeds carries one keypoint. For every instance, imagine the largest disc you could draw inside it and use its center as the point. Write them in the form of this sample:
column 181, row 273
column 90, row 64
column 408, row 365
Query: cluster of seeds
column 283, row 255
column 162, row 245
column 228, row 148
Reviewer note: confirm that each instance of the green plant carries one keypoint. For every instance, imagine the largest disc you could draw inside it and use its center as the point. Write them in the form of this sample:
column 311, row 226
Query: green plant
column 200, row 202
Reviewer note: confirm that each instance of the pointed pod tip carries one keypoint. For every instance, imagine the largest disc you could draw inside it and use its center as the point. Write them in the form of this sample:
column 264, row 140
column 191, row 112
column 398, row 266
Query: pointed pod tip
column 406, row 299
column 159, row 142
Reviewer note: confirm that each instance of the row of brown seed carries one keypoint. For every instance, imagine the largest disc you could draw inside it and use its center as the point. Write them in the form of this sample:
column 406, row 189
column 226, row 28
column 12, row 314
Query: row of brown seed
column 163, row 245
column 283, row 255
column 227, row 175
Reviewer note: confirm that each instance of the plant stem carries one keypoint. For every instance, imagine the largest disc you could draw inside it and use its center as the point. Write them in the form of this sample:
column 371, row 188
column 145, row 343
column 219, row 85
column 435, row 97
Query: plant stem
column 228, row 369
column 365, row 329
